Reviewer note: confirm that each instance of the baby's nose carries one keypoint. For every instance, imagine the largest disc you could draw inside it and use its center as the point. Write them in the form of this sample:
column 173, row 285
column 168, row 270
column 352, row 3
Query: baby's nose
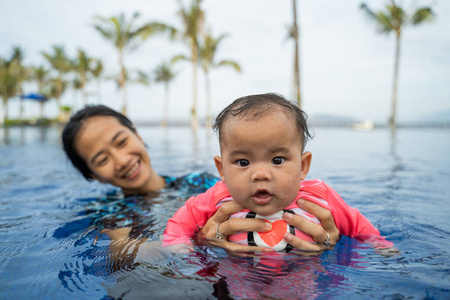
column 260, row 173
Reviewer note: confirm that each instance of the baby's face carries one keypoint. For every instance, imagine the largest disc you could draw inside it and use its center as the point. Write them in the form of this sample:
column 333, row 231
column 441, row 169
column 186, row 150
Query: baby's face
column 261, row 162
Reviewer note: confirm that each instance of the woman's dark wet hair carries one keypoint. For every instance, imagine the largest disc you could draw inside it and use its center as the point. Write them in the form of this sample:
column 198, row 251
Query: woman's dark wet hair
column 74, row 125
column 256, row 106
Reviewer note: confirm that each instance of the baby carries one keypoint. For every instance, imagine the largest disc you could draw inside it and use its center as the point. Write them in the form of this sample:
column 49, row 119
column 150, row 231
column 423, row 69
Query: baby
column 262, row 167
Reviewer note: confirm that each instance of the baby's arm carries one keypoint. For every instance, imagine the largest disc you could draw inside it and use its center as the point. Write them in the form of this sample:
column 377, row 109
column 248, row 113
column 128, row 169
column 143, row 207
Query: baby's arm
column 189, row 219
column 354, row 224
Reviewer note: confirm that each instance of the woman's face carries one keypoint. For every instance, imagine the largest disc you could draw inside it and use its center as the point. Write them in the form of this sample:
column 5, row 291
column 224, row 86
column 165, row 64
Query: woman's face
column 115, row 154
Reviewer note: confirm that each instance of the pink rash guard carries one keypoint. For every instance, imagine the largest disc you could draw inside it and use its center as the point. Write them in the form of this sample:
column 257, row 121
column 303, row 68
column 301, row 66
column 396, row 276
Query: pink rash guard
column 192, row 216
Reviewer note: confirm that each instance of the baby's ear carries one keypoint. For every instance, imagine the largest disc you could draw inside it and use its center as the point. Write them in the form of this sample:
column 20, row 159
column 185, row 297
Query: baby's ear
column 219, row 166
column 306, row 163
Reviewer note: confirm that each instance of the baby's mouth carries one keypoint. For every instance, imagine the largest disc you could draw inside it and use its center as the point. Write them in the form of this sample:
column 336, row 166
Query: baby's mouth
column 262, row 197
column 132, row 173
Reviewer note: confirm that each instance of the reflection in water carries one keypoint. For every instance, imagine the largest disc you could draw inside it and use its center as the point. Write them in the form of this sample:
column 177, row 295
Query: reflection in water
column 50, row 220
column 396, row 161
column 24, row 134
column 6, row 137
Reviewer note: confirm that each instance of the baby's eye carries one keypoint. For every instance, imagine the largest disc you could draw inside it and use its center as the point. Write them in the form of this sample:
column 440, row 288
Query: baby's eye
column 278, row 160
column 243, row 162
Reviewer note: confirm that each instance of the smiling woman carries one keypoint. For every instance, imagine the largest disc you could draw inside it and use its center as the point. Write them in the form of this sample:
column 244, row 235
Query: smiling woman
column 104, row 145
column 117, row 155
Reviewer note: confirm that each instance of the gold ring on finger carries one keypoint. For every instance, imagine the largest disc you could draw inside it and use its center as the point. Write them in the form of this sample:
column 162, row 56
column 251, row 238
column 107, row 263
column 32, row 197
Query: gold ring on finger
column 219, row 235
column 327, row 241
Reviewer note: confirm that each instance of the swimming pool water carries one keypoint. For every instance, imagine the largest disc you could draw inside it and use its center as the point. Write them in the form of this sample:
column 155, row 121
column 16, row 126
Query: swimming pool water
column 50, row 221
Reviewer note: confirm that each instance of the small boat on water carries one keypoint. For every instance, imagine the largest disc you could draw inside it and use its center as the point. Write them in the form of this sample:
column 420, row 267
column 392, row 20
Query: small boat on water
column 365, row 126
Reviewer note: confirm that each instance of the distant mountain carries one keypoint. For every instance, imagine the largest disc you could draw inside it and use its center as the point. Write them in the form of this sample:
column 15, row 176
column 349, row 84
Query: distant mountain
column 438, row 116
column 332, row 120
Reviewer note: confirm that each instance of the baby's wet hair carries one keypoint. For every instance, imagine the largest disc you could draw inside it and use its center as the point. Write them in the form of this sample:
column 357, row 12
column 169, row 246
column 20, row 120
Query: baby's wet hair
column 74, row 125
column 259, row 105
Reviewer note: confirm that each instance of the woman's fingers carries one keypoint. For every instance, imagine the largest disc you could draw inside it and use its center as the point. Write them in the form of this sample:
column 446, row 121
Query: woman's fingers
column 208, row 234
column 316, row 231
column 325, row 235
column 326, row 219
column 222, row 214
column 226, row 210
column 233, row 226
column 307, row 248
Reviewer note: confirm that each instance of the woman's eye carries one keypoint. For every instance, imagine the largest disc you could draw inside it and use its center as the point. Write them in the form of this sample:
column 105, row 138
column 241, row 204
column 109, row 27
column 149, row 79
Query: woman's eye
column 243, row 163
column 102, row 161
column 122, row 141
column 278, row 160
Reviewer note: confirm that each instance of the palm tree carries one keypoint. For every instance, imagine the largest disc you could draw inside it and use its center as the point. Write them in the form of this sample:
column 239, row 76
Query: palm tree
column 123, row 33
column 207, row 52
column 12, row 74
column 395, row 19
column 8, row 87
column 82, row 66
column 21, row 73
column 192, row 19
column 60, row 62
column 293, row 33
column 165, row 74
column 97, row 72
column 40, row 75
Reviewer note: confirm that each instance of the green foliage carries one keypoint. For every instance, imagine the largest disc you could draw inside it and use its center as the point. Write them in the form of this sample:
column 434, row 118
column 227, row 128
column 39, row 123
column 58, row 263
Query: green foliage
column 66, row 108
column 395, row 18
column 12, row 75
column 207, row 53
column 164, row 73
column 125, row 35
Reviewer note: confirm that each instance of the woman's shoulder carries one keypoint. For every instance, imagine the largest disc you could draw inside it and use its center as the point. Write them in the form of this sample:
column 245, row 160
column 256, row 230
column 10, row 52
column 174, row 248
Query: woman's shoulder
column 195, row 182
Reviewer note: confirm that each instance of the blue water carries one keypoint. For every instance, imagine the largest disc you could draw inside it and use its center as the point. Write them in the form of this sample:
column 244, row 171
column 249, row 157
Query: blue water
column 50, row 221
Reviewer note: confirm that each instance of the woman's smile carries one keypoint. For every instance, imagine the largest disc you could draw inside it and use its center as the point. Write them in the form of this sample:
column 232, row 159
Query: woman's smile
column 133, row 172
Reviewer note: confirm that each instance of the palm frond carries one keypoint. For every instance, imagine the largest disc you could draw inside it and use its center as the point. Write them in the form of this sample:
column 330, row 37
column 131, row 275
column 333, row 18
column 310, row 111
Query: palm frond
column 369, row 13
column 422, row 15
column 180, row 57
column 231, row 64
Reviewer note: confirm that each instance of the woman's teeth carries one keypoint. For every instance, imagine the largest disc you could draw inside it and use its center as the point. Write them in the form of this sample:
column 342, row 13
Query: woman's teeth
column 132, row 170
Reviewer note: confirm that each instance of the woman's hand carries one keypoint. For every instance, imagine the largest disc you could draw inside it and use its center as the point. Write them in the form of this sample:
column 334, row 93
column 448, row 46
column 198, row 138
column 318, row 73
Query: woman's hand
column 317, row 232
column 219, row 221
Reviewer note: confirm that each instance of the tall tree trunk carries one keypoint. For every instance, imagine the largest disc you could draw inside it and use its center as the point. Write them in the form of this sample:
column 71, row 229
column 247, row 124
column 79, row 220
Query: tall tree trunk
column 296, row 56
column 166, row 104
column 99, row 91
column 4, row 110
column 392, row 119
column 83, row 91
column 59, row 88
column 41, row 106
column 21, row 110
column 194, row 118
column 208, row 101
column 122, row 83
column 61, row 114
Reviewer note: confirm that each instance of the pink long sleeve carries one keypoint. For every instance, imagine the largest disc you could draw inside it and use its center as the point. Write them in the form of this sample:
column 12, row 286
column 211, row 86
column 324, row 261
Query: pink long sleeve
column 190, row 218
column 348, row 220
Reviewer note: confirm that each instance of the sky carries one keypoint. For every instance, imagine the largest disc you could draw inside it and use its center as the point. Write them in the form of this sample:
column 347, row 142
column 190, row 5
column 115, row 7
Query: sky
column 346, row 66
